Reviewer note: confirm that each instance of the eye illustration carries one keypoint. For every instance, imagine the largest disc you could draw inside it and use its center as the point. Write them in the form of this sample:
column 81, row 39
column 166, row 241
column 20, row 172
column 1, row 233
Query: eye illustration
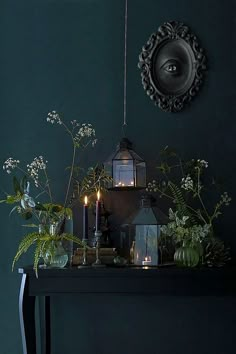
column 171, row 67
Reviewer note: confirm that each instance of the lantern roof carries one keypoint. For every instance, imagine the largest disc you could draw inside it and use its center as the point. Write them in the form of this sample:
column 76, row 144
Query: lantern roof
column 124, row 151
column 149, row 213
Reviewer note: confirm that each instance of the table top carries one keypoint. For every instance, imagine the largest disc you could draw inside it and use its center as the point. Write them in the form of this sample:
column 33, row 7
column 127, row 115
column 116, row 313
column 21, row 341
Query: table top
column 167, row 280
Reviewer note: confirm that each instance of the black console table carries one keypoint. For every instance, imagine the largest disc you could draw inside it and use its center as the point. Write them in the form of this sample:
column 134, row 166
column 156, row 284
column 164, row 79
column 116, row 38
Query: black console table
column 167, row 281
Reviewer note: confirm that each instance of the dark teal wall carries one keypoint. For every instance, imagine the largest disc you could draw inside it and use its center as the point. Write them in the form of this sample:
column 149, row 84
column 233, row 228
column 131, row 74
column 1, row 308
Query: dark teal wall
column 68, row 55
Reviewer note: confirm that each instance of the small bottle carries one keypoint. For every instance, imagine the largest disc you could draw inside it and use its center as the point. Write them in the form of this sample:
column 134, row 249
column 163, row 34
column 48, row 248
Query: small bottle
column 132, row 253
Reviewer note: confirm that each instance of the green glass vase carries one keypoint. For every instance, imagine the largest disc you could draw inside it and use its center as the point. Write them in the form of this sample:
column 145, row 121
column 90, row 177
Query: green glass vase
column 186, row 256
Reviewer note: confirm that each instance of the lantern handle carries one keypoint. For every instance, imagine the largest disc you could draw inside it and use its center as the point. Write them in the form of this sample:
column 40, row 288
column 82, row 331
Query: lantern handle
column 125, row 68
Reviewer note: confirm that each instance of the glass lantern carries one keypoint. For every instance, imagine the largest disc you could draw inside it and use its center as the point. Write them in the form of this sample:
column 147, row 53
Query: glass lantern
column 127, row 169
column 147, row 221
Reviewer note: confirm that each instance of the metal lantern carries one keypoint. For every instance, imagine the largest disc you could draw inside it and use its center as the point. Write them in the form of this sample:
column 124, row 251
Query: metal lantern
column 127, row 169
column 147, row 221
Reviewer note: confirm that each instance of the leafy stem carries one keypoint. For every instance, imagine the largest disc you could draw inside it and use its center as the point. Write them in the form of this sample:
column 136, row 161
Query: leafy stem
column 71, row 174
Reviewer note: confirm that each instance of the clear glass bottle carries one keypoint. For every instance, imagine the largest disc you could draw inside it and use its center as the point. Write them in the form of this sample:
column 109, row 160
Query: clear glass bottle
column 68, row 244
column 55, row 256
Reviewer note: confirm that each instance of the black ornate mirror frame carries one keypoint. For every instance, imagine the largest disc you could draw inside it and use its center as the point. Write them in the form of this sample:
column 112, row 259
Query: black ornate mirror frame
column 172, row 66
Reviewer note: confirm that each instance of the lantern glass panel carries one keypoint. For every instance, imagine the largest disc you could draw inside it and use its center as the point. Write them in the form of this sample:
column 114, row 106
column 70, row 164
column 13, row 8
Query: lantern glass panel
column 123, row 173
column 146, row 245
column 141, row 174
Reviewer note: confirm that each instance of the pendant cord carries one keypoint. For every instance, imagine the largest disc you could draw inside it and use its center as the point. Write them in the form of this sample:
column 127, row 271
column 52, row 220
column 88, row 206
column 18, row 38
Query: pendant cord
column 125, row 66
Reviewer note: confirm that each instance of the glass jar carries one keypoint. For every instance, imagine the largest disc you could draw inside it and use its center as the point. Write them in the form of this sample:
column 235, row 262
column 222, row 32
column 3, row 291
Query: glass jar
column 55, row 255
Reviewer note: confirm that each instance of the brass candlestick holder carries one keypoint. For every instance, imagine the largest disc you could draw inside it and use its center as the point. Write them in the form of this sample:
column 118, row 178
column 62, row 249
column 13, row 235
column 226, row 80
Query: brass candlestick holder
column 98, row 262
column 85, row 260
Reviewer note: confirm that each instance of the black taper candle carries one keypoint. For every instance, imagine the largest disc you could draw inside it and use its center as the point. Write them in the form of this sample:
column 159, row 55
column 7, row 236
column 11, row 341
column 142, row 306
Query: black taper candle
column 98, row 212
column 85, row 219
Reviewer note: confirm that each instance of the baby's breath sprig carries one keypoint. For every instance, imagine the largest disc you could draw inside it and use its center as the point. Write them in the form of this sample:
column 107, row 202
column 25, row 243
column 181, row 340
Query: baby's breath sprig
column 82, row 135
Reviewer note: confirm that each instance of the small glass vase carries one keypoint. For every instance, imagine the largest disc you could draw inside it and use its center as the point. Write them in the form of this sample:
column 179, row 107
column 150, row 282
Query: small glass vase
column 55, row 255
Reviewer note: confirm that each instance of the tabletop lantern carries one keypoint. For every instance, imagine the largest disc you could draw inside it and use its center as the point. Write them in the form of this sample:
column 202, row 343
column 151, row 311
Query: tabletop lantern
column 127, row 169
column 147, row 221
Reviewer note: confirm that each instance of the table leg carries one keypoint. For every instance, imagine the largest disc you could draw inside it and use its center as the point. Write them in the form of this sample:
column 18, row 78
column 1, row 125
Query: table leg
column 45, row 324
column 27, row 318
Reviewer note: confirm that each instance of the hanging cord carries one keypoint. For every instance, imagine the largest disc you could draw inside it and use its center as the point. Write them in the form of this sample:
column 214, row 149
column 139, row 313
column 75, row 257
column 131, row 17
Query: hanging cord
column 125, row 68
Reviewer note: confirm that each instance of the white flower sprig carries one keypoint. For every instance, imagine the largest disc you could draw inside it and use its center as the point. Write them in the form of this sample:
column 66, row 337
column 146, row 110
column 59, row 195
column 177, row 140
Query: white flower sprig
column 82, row 135
column 85, row 131
column 10, row 164
column 225, row 198
column 202, row 163
column 53, row 117
column 187, row 183
column 34, row 167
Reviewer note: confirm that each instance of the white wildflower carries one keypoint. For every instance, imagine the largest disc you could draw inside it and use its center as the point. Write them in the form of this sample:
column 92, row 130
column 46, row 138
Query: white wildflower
column 10, row 164
column 34, row 167
column 225, row 198
column 202, row 163
column 53, row 117
column 94, row 142
column 187, row 183
column 75, row 123
column 85, row 131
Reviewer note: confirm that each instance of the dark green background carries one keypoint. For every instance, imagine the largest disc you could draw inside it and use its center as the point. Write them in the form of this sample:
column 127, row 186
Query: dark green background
column 68, row 56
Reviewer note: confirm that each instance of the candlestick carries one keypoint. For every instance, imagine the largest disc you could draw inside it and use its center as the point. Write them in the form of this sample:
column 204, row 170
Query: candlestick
column 98, row 212
column 85, row 234
column 98, row 262
column 85, row 219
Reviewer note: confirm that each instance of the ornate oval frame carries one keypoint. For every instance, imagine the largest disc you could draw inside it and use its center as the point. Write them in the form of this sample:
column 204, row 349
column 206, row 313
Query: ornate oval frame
column 172, row 34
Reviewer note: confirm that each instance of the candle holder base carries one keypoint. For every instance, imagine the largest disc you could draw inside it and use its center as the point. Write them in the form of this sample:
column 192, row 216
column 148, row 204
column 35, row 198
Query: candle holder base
column 95, row 265
column 84, row 266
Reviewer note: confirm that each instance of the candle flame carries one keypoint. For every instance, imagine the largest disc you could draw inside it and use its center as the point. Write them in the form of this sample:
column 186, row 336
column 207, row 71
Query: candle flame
column 98, row 195
column 146, row 258
column 86, row 200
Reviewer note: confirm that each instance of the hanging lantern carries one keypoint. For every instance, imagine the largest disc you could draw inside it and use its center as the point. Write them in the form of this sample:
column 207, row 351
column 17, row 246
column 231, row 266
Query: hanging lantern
column 147, row 221
column 127, row 169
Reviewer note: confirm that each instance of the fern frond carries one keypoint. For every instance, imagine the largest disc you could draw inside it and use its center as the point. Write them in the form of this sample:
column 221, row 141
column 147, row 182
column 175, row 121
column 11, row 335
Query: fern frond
column 24, row 246
column 180, row 202
column 37, row 255
column 71, row 237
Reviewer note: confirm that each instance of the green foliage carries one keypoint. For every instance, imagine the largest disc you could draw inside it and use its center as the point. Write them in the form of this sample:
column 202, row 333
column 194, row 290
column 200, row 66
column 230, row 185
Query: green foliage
column 95, row 179
column 42, row 242
column 28, row 207
column 179, row 200
column 181, row 182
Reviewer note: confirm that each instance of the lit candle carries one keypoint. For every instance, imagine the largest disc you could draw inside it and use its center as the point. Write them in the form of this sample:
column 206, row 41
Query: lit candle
column 147, row 261
column 98, row 212
column 85, row 219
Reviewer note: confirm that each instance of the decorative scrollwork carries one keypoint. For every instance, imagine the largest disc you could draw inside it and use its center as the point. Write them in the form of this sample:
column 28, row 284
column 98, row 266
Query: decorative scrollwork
column 172, row 66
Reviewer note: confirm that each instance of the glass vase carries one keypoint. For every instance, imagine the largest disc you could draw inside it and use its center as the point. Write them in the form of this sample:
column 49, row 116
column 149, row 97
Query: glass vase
column 54, row 256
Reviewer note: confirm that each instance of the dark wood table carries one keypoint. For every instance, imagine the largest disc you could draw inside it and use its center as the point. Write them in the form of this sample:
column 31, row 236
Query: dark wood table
column 169, row 281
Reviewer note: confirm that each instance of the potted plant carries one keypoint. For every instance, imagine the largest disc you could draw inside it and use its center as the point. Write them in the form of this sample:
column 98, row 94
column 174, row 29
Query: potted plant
column 47, row 217
column 184, row 185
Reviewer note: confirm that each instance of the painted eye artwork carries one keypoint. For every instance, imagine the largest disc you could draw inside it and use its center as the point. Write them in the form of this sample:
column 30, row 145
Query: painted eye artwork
column 172, row 65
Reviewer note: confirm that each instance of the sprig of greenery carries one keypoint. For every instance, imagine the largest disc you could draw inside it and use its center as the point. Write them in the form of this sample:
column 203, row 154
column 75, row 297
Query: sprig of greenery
column 181, row 182
column 42, row 242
